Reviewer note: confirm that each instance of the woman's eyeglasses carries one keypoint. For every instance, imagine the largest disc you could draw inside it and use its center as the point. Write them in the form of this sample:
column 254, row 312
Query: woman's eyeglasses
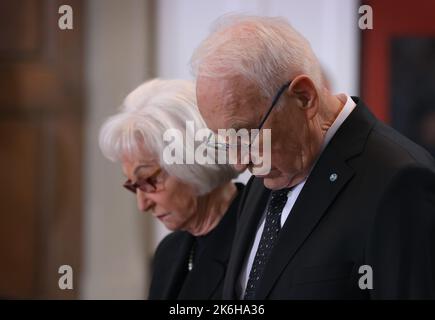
column 151, row 184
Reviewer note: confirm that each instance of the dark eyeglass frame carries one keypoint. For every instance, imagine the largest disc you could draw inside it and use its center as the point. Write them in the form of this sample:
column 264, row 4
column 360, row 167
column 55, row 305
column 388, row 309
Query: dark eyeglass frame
column 274, row 103
column 149, row 184
column 226, row 146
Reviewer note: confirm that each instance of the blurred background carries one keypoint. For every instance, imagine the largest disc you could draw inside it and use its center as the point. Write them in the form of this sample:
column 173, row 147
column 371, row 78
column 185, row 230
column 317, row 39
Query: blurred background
column 62, row 203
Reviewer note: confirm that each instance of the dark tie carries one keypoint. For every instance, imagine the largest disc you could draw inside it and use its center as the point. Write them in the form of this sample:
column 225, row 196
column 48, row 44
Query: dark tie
column 271, row 229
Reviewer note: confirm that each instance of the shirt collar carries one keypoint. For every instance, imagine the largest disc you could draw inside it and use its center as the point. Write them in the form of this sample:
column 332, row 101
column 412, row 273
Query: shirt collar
column 344, row 113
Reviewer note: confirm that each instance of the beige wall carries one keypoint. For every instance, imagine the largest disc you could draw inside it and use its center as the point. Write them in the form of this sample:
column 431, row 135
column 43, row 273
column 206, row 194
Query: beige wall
column 115, row 244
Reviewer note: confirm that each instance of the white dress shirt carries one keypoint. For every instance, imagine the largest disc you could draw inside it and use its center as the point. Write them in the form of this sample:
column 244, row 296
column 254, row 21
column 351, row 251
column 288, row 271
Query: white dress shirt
column 292, row 197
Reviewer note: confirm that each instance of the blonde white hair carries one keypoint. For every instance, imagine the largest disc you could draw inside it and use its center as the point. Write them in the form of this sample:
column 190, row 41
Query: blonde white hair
column 147, row 112
column 267, row 51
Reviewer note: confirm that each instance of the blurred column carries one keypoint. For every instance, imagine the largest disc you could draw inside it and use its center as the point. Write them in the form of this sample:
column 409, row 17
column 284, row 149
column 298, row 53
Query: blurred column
column 115, row 264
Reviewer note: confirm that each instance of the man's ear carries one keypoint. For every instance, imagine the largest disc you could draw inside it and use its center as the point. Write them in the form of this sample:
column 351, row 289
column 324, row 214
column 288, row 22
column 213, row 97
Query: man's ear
column 304, row 91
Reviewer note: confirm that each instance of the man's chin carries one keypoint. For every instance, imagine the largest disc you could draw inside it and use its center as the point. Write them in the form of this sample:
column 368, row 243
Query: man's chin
column 264, row 174
column 275, row 183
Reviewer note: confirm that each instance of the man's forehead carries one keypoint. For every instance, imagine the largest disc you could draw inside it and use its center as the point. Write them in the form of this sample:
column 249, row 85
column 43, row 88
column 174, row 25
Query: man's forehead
column 214, row 93
column 226, row 104
column 234, row 115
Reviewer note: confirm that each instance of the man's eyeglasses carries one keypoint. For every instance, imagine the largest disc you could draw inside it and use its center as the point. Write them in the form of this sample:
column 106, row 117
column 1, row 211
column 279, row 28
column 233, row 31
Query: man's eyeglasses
column 213, row 139
column 151, row 184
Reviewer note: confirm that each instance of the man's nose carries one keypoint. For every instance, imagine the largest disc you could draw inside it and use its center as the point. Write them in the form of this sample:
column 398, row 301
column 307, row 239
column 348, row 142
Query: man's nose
column 243, row 159
column 144, row 203
column 240, row 167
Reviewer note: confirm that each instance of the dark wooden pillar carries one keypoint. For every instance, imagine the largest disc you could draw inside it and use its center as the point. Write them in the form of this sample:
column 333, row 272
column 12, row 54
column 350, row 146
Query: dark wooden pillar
column 41, row 128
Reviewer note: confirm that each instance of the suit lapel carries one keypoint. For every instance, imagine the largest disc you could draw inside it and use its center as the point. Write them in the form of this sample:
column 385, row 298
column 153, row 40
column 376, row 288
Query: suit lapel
column 305, row 215
column 329, row 176
column 255, row 205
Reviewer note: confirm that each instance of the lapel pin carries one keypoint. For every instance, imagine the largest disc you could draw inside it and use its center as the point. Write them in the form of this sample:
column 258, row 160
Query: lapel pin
column 333, row 177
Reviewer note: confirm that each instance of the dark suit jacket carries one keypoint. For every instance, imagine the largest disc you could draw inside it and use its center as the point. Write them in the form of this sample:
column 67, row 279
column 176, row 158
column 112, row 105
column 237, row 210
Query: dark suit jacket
column 171, row 280
column 380, row 212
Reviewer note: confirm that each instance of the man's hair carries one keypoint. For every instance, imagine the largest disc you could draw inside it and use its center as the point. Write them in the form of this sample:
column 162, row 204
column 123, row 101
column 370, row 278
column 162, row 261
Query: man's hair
column 265, row 50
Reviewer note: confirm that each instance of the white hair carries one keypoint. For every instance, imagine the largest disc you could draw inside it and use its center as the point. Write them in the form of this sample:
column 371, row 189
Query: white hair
column 268, row 51
column 147, row 112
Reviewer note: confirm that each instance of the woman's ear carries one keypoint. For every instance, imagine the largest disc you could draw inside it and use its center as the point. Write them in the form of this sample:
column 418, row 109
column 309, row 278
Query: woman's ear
column 304, row 91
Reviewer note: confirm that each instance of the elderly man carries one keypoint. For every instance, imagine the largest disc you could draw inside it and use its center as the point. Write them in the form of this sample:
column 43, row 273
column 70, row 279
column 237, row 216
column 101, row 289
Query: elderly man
column 348, row 207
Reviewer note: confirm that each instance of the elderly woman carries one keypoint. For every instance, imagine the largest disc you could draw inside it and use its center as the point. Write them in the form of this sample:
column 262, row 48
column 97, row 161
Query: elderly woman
column 197, row 201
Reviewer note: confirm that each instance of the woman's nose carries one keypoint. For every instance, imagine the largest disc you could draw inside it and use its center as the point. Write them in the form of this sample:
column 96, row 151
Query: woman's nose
column 143, row 202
